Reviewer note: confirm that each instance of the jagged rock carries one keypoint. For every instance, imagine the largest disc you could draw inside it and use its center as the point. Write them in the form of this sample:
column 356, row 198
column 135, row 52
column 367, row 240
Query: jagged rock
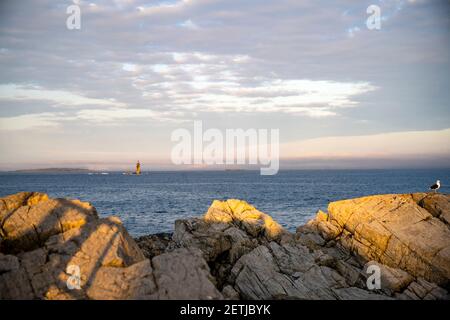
column 241, row 244
column 15, row 284
column 352, row 274
column 319, row 281
column 320, row 225
column 155, row 244
column 437, row 204
column 229, row 293
column 281, row 272
column 392, row 279
column 291, row 258
column 396, row 231
column 11, row 203
column 64, row 251
column 324, row 259
column 233, row 252
column 8, row 263
column 133, row 282
column 100, row 244
column 423, row 290
column 208, row 237
column 245, row 217
column 311, row 240
column 257, row 276
column 184, row 275
column 29, row 226
column 353, row 293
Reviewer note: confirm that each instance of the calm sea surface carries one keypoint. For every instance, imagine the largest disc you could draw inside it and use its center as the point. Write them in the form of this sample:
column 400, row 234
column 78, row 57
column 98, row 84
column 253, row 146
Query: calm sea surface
column 150, row 203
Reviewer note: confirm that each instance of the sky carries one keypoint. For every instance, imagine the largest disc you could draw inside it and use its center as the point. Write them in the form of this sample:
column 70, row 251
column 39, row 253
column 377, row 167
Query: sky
column 113, row 91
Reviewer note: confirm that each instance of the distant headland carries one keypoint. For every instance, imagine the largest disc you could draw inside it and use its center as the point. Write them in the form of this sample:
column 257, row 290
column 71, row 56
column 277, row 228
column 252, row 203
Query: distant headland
column 54, row 170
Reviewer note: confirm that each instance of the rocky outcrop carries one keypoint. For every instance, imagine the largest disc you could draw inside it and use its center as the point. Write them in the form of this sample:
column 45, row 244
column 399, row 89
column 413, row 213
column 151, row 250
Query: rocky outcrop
column 254, row 258
column 396, row 230
column 328, row 258
column 246, row 217
column 60, row 249
column 233, row 252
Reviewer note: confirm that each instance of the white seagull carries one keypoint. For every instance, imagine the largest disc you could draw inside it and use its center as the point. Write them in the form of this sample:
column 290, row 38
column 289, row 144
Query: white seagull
column 436, row 186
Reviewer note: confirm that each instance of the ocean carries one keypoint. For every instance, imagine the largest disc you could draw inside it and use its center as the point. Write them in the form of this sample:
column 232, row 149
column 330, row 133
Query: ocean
column 151, row 203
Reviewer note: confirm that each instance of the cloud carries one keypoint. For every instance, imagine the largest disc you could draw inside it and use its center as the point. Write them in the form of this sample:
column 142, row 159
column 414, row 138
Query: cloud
column 115, row 116
column 351, row 32
column 31, row 121
column 219, row 83
column 201, row 82
column 409, row 143
column 189, row 24
column 129, row 67
column 163, row 7
column 105, row 116
column 15, row 92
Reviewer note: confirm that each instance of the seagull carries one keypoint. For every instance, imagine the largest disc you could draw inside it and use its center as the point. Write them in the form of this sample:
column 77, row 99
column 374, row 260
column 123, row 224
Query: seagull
column 436, row 186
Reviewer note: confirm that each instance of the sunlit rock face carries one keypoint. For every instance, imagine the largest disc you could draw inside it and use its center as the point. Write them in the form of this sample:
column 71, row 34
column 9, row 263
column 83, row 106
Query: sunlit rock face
column 246, row 217
column 252, row 256
column 61, row 249
column 397, row 230
column 48, row 243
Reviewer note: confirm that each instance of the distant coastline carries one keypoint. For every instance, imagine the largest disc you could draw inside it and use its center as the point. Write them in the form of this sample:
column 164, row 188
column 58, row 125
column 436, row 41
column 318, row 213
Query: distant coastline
column 54, row 170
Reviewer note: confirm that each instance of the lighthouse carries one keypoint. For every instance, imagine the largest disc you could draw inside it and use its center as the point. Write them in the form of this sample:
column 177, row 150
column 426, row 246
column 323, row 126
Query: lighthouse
column 138, row 168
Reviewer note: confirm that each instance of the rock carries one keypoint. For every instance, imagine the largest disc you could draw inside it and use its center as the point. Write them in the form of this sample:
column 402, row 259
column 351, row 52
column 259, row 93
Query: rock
column 184, row 275
column 208, row 237
column 392, row 279
column 229, row 293
column 155, row 244
column 437, row 204
column 246, row 217
column 29, row 226
column 324, row 259
column 396, row 231
column 283, row 272
column 320, row 225
column 358, row 294
column 60, row 249
column 353, row 275
column 328, row 231
column 291, row 258
column 422, row 289
column 257, row 277
column 133, row 282
column 322, row 216
column 319, row 282
column 15, row 284
column 8, row 263
column 89, row 250
column 13, row 202
column 241, row 244
column 312, row 241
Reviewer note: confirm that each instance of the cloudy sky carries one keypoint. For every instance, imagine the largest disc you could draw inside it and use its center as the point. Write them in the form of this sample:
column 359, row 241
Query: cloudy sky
column 113, row 91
